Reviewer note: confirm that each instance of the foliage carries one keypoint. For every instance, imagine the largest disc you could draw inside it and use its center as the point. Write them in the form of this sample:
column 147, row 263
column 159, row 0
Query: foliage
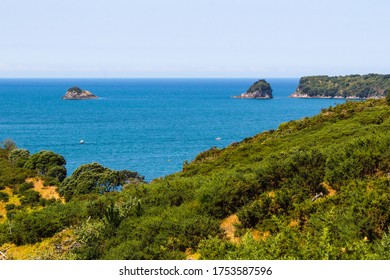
column 11, row 175
column 18, row 157
column 30, row 197
column 358, row 86
column 47, row 162
column 25, row 186
column 260, row 85
column 32, row 227
column 75, row 89
column 4, row 197
column 95, row 178
column 341, row 157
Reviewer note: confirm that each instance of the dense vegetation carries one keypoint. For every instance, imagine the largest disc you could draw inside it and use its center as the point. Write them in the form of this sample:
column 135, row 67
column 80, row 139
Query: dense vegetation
column 352, row 86
column 315, row 188
column 261, row 85
column 75, row 89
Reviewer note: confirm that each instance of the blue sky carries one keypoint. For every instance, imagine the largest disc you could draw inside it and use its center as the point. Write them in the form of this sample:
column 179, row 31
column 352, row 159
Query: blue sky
column 202, row 38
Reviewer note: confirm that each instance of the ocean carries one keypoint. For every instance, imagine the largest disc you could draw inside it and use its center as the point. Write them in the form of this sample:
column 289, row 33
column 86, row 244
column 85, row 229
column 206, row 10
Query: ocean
column 146, row 125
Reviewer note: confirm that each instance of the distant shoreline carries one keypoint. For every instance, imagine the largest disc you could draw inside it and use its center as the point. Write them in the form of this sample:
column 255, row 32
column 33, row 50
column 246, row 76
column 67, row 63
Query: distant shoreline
column 305, row 96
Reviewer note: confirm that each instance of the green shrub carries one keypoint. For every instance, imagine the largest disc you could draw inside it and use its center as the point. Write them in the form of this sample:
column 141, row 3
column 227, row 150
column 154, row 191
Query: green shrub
column 18, row 157
column 30, row 197
column 9, row 206
column 4, row 197
column 26, row 186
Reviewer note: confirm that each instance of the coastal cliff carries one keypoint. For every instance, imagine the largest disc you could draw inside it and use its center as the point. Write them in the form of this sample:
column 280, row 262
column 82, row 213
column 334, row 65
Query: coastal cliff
column 259, row 90
column 348, row 87
column 75, row 93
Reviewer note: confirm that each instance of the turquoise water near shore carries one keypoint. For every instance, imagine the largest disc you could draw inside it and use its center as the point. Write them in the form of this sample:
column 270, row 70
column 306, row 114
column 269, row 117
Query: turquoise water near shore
column 146, row 125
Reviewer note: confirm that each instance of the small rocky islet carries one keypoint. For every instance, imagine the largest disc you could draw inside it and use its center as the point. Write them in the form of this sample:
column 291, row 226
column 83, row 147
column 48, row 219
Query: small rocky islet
column 76, row 93
column 259, row 90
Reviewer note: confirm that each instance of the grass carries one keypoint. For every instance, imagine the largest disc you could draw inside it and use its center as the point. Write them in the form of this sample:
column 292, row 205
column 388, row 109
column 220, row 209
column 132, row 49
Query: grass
column 46, row 192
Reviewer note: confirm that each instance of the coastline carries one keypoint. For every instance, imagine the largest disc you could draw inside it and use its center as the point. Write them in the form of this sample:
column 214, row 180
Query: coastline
column 246, row 96
column 306, row 96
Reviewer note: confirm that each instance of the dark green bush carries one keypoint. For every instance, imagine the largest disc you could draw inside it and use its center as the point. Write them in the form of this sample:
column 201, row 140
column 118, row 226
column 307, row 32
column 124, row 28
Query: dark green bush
column 30, row 197
column 4, row 197
column 26, row 186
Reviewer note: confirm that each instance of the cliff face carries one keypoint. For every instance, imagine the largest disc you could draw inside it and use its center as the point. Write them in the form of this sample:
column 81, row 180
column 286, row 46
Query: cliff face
column 260, row 90
column 349, row 87
column 76, row 93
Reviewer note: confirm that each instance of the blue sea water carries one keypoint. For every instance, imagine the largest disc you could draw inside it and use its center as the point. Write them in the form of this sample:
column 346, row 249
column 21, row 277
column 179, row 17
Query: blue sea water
column 146, row 125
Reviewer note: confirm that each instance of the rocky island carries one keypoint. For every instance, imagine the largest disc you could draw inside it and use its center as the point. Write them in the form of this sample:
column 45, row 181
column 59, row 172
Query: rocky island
column 259, row 90
column 75, row 93
column 349, row 87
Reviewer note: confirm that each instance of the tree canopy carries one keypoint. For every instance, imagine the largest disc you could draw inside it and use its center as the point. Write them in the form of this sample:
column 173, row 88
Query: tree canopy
column 47, row 163
column 95, row 178
column 358, row 86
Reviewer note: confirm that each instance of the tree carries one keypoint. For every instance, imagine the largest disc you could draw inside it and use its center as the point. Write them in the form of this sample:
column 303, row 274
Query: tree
column 57, row 172
column 9, row 145
column 44, row 161
column 95, row 178
column 18, row 157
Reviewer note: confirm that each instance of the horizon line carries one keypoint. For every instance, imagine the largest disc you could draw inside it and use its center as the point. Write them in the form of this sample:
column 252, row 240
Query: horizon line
column 259, row 77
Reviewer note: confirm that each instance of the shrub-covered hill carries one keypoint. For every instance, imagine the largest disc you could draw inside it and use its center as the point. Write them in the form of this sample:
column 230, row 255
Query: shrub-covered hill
column 352, row 86
column 315, row 188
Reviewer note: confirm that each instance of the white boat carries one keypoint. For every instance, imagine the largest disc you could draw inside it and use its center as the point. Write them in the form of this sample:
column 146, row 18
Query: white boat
column 81, row 141
column 218, row 138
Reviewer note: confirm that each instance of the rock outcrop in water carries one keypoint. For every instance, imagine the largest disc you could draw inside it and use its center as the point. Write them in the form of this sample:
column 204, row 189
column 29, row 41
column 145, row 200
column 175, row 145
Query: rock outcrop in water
column 259, row 90
column 75, row 93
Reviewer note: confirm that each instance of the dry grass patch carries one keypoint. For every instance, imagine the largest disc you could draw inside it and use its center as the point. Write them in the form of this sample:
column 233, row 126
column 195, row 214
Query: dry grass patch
column 331, row 191
column 228, row 226
column 46, row 192
column 260, row 235
column 293, row 223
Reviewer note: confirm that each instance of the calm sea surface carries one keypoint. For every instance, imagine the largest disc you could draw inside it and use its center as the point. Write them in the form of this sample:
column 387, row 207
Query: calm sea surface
column 147, row 125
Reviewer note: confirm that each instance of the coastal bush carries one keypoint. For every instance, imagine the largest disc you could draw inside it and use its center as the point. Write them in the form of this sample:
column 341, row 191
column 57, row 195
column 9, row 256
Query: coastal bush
column 268, row 181
column 9, row 206
column 29, row 228
column 95, row 178
column 223, row 194
column 44, row 161
column 359, row 158
column 11, row 176
column 4, row 197
column 57, row 172
column 25, row 186
column 30, row 197
column 18, row 157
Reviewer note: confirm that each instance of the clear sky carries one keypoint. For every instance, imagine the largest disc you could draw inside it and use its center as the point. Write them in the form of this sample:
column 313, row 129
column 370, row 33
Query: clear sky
column 193, row 38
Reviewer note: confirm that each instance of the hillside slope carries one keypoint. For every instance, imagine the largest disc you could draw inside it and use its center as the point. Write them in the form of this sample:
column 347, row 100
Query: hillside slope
column 315, row 188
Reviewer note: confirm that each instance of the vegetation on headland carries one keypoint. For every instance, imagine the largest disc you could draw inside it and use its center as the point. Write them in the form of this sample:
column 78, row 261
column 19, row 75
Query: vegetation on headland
column 352, row 86
column 250, row 200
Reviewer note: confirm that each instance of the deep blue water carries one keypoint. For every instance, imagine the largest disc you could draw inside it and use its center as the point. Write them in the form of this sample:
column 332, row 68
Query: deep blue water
column 147, row 125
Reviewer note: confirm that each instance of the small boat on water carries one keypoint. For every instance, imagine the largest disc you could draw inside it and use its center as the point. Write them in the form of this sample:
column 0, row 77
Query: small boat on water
column 218, row 138
column 81, row 141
